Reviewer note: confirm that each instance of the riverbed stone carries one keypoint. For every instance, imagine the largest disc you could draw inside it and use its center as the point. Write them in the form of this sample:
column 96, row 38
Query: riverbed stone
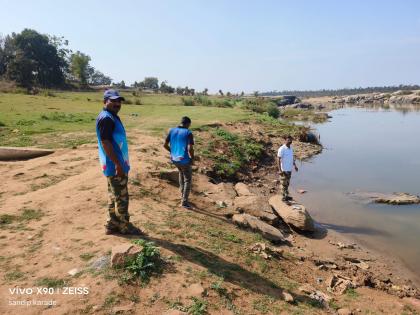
column 256, row 206
column 267, row 231
column 243, row 190
column 398, row 199
column 293, row 214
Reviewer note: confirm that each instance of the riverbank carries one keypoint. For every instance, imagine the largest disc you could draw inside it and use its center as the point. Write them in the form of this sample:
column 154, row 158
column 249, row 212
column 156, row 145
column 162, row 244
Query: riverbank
column 52, row 235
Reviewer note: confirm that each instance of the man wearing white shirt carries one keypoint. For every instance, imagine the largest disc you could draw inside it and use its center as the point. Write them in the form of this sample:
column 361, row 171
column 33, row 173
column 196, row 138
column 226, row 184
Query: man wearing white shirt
column 286, row 164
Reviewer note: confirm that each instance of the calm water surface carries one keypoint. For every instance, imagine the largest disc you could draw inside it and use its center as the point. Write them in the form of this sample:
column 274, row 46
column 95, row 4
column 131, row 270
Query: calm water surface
column 373, row 150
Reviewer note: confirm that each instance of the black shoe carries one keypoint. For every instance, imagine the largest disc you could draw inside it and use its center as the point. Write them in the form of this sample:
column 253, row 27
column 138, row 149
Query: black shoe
column 284, row 199
column 186, row 205
column 110, row 229
column 288, row 198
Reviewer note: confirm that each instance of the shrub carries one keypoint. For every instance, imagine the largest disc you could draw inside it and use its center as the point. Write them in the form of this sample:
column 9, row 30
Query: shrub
column 187, row 102
column 273, row 110
column 202, row 100
column 128, row 101
column 47, row 93
column 137, row 101
column 145, row 264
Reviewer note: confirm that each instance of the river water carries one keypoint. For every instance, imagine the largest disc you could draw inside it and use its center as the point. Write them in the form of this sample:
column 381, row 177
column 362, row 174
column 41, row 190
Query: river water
column 367, row 150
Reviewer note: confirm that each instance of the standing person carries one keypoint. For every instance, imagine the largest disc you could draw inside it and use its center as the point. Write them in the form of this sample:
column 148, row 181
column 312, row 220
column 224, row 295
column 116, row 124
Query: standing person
column 286, row 163
column 113, row 156
column 180, row 143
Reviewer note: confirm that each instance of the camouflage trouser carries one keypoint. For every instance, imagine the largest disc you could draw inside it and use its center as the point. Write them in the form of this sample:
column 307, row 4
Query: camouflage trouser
column 185, row 177
column 285, row 181
column 118, row 200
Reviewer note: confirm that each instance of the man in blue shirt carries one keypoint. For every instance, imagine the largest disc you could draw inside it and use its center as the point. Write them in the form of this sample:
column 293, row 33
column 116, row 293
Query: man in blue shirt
column 113, row 157
column 180, row 143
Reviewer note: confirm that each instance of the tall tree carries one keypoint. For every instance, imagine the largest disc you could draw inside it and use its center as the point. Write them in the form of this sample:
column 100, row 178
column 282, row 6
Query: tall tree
column 150, row 83
column 30, row 58
column 79, row 67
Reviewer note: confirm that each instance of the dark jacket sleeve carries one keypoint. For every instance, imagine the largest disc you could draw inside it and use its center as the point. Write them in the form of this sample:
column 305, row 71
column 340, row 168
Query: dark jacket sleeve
column 106, row 128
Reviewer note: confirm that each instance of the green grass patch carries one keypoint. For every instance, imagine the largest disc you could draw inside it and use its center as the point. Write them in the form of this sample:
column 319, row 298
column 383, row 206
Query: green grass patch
column 25, row 216
column 14, row 275
column 198, row 306
column 51, row 282
column 303, row 114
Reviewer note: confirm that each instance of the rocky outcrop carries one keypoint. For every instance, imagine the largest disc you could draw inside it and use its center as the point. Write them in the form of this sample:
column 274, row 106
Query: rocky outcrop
column 396, row 98
column 398, row 199
column 256, row 206
column 267, row 231
column 293, row 214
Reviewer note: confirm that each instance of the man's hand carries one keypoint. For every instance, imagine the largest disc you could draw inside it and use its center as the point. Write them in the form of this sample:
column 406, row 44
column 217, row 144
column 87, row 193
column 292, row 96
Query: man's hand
column 119, row 170
column 296, row 168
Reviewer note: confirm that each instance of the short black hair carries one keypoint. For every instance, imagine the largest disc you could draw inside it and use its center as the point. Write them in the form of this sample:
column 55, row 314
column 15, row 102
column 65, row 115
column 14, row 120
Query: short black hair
column 185, row 120
column 288, row 137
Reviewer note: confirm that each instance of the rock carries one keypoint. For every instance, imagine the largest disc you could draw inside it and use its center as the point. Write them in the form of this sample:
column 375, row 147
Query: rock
column 101, row 263
column 344, row 311
column 314, row 294
column 266, row 251
column 287, row 297
column 73, row 272
column 301, row 191
column 121, row 252
column 325, row 264
column 295, row 214
column 339, row 284
column 398, row 199
column 267, row 231
column 257, row 207
column 221, row 204
column 221, row 192
column 357, row 262
column 243, row 190
column 195, row 290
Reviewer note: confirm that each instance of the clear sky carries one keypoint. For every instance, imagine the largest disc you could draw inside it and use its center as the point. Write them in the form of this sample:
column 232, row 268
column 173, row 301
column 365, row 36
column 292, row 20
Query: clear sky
column 236, row 45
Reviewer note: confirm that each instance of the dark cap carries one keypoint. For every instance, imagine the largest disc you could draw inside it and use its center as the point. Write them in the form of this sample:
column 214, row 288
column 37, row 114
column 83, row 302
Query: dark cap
column 113, row 95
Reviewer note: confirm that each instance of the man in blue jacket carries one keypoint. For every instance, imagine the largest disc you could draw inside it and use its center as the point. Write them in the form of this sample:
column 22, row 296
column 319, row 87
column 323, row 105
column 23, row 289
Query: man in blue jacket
column 113, row 157
column 180, row 143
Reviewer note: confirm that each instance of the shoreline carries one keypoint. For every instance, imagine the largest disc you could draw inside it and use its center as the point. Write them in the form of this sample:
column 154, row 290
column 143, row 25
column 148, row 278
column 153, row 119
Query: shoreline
column 396, row 265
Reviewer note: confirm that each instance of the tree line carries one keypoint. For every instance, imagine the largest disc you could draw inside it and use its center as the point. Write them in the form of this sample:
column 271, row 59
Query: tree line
column 32, row 59
column 342, row 92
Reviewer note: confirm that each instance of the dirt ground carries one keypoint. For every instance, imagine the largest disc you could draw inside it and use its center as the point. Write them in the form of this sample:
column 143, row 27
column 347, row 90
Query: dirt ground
column 57, row 211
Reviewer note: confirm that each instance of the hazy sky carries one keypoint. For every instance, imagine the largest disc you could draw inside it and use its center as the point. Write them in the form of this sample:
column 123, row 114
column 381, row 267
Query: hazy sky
column 236, row 45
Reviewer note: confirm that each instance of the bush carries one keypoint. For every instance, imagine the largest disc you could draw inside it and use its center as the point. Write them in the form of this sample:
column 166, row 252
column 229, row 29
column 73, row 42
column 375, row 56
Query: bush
column 128, row 101
column 273, row 110
column 202, row 100
column 237, row 153
column 224, row 103
column 137, row 101
column 144, row 265
column 187, row 102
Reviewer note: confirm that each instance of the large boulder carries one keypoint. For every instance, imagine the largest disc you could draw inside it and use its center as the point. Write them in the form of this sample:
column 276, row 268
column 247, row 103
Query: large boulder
column 293, row 214
column 243, row 190
column 256, row 206
column 267, row 231
column 121, row 253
